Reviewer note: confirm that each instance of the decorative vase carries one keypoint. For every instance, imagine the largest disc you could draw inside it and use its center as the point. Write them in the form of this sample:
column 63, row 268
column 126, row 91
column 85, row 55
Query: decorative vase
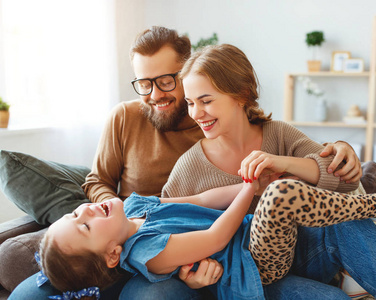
column 321, row 110
column 4, row 118
column 314, row 65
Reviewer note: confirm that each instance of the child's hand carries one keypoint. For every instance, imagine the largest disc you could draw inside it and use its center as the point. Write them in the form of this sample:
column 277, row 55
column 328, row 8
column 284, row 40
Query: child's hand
column 253, row 186
column 209, row 272
column 266, row 177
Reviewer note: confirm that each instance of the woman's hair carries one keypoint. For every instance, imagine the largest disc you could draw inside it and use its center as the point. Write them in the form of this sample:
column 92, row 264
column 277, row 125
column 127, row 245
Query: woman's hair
column 75, row 272
column 231, row 73
column 150, row 41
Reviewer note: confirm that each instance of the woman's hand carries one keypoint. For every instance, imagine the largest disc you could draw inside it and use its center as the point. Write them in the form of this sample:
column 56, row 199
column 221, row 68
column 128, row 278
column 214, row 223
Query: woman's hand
column 352, row 170
column 258, row 162
column 209, row 271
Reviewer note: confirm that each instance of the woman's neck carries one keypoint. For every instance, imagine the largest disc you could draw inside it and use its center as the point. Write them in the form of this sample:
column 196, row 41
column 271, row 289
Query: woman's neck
column 234, row 146
column 241, row 140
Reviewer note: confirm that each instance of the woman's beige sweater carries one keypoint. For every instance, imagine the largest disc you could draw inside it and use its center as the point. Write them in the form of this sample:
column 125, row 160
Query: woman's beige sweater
column 193, row 173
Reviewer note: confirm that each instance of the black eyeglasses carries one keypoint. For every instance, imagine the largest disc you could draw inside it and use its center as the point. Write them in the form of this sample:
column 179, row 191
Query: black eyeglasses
column 166, row 83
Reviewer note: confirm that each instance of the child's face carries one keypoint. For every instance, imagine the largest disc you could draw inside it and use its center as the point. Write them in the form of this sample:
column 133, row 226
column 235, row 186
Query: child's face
column 92, row 226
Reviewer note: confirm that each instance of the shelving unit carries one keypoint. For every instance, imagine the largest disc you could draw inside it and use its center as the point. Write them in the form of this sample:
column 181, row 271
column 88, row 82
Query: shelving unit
column 369, row 126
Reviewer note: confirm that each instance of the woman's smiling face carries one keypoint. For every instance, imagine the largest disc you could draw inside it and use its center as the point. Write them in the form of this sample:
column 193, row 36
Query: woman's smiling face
column 92, row 226
column 215, row 112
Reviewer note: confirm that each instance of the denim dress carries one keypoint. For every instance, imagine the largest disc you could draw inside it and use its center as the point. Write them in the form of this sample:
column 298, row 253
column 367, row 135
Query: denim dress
column 240, row 279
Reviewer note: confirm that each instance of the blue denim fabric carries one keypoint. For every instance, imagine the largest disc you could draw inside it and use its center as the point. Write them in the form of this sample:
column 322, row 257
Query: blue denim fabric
column 140, row 288
column 28, row 289
column 321, row 252
column 135, row 288
column 299, row 288
column 240, row 278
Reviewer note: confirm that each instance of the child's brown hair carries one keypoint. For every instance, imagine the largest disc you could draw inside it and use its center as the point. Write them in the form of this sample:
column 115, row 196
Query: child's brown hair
column 74, row 272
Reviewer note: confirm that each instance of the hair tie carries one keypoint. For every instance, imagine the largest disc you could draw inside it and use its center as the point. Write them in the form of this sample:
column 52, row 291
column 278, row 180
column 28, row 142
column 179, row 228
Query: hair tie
column 91, row 291
column 41, row 278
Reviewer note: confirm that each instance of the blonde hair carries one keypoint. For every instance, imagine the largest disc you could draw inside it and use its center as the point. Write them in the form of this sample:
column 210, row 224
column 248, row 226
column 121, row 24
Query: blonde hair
column 231, row 73
column 74, row 272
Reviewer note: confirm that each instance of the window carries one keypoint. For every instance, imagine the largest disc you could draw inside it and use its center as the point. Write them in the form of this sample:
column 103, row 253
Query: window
column 59, row 60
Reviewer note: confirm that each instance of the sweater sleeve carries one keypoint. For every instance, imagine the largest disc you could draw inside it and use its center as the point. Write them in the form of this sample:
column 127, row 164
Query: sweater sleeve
column 292, row 142
column 102, row 182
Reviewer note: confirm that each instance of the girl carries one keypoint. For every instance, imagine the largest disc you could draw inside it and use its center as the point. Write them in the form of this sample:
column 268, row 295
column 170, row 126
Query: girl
column 155, row 236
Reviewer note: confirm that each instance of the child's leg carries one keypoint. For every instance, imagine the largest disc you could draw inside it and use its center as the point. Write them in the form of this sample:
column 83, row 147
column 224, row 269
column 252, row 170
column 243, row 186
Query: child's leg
column 286, row 204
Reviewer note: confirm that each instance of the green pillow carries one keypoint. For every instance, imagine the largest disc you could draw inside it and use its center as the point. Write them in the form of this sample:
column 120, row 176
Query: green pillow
column 45, row 190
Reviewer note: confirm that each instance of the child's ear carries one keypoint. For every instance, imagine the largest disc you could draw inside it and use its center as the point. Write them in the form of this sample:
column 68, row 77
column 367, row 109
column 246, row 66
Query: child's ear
column 113, row 256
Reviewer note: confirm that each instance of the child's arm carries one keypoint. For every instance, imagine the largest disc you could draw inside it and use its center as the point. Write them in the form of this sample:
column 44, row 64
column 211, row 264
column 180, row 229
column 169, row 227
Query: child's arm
column 217, row 198
column 185, row 248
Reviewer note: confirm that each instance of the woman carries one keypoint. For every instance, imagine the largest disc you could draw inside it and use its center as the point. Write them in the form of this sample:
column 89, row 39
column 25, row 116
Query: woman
column 220, row 87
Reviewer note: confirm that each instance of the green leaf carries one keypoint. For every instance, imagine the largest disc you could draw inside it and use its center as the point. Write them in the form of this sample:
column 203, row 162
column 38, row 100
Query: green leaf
column 315, row 38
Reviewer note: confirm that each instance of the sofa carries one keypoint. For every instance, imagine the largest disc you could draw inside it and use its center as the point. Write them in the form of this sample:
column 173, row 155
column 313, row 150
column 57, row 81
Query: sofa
column 46, row 190
column 12, row 232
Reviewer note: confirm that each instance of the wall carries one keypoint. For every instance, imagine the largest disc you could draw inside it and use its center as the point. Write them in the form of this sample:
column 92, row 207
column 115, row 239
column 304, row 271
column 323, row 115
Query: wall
column 272, row 34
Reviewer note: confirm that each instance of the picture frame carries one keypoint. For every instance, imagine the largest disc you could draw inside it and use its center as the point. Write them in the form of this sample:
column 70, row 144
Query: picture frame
column 353, row 65
column 338, row 58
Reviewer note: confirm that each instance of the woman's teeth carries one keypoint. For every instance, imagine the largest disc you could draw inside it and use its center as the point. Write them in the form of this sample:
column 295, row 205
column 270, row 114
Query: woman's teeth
column 205, row 124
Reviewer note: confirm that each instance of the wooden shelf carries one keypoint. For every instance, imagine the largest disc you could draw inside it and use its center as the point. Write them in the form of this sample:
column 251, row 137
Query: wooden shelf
column 330, row 74
column 370, row 124
column 328, row 124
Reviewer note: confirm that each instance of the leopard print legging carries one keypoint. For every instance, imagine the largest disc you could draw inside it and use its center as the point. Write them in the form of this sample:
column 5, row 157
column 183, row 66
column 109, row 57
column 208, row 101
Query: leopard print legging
column 287, row 204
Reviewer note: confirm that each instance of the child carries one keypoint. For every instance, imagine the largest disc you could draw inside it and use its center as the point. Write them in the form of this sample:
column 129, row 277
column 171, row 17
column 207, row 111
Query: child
column 155, row 236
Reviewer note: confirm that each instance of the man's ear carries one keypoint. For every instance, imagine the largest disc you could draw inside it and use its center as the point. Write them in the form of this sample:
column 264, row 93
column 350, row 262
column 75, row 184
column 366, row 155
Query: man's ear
column 113, row 256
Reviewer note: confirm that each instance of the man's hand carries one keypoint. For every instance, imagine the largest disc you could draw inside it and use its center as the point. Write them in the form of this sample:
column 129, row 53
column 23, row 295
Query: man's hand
column 209, row 271
column 352, row 170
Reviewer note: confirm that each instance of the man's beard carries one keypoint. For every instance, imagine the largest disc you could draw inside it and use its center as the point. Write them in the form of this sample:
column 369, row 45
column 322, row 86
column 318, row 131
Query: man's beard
column 165, row 121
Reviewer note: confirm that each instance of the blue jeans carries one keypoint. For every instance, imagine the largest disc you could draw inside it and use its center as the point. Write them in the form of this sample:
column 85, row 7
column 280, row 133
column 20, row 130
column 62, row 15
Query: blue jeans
column 320, row 253
column 135, row 288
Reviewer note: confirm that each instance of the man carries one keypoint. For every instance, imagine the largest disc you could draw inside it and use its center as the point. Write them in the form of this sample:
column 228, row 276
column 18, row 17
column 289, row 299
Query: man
column 139, row 146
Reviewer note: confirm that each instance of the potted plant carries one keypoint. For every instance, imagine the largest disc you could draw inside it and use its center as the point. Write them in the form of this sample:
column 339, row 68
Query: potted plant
column 4, row 114
column 213, row 40
column 314, row 40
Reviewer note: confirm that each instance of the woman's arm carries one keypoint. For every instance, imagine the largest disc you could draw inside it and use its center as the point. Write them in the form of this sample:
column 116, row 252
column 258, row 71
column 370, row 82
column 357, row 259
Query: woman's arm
column 258, row 161
column 185, row 248
column 217, row 198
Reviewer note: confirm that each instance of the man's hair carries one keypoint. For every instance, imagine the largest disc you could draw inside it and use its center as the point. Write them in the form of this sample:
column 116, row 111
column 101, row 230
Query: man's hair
column 74, row 272
column 231, row 73
column 150, row 41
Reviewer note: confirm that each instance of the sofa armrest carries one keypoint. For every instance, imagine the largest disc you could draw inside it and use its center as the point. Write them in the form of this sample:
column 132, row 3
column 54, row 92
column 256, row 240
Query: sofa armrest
column 21, row 225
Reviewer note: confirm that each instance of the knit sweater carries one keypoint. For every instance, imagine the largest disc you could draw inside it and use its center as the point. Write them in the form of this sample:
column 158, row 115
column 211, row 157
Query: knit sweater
column 133, row 156
column 194, row 173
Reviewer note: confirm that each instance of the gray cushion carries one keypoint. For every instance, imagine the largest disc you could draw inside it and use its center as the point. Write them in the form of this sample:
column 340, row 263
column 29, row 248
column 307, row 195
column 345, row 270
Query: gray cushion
column 45, row 190
column 369, row 177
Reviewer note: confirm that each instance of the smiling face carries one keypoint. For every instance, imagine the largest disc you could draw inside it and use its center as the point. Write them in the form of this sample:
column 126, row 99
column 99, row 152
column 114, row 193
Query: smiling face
column 216, row 113
column 164, row 109
column 92, row 226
